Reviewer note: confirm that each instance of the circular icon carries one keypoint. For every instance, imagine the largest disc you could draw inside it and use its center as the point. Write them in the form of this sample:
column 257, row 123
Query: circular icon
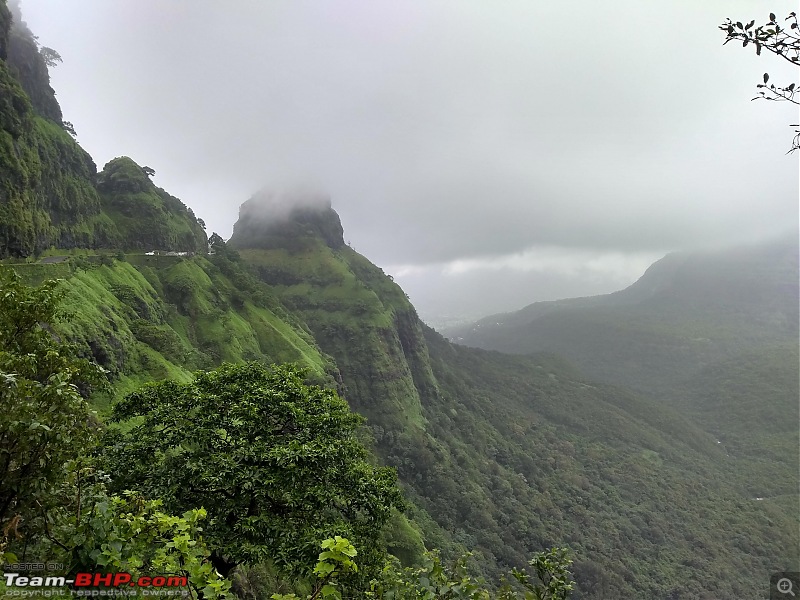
column 784, row 586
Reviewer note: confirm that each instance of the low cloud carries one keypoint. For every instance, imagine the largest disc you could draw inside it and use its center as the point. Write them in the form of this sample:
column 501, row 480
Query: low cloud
column 569, row 262
column 474, row 287
column 277, row 205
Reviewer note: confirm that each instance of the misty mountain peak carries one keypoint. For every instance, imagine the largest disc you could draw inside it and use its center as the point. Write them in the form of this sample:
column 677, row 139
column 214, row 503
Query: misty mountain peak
column 291, row 220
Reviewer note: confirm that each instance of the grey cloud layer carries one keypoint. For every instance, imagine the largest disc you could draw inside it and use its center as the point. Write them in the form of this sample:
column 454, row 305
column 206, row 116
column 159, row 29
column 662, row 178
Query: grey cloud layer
column 441, row 130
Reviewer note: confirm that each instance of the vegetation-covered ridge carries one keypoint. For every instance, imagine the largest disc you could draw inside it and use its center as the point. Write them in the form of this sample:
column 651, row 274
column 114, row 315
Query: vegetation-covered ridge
column 51, row 194
column 146, row 216
column 506, row 452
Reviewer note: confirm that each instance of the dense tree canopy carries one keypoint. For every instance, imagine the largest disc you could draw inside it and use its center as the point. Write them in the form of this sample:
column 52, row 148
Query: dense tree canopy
column 44, row 422
column 275, row 462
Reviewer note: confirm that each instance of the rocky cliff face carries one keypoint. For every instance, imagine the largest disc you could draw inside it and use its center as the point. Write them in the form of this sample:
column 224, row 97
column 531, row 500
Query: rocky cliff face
column 355, row 312
column 291, row 221
column 30, row 68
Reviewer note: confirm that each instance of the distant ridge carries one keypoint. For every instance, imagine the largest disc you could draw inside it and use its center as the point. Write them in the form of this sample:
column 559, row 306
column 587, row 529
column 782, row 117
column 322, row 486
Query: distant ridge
column 687, row 311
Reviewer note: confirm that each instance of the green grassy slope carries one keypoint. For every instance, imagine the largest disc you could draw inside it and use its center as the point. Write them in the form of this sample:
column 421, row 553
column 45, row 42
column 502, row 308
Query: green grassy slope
column 165, row 318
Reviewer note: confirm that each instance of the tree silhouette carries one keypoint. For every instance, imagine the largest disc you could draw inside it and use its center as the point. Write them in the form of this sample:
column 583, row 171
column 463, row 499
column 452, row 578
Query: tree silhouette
column 779, row 41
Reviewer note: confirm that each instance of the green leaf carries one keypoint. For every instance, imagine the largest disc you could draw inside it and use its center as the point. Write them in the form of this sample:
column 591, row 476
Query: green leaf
column 323, row 569
column 328, row 591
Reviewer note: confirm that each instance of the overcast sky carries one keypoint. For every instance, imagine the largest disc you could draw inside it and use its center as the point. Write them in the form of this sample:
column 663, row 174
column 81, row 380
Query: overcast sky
column 487, row 154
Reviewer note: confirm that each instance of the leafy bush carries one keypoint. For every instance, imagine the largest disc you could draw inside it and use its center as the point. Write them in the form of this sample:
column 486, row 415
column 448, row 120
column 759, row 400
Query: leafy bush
column 435, row 581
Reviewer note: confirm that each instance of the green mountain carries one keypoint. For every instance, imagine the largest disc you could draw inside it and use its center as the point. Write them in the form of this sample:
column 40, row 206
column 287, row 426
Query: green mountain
column 713, row 335
column 356, row 313
column 687, row 312
column 505, row 451
column 499, row 454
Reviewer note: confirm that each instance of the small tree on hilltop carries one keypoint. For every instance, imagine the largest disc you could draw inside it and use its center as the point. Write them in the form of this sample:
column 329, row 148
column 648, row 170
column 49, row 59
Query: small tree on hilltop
column 51, row 57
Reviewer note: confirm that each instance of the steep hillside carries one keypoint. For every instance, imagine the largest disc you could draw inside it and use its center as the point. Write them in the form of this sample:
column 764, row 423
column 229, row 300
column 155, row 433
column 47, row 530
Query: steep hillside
column 354, row 311
column 510, row 454
column 50, row 192
column 146, row 318
column 29, row 66
column 46, row 194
